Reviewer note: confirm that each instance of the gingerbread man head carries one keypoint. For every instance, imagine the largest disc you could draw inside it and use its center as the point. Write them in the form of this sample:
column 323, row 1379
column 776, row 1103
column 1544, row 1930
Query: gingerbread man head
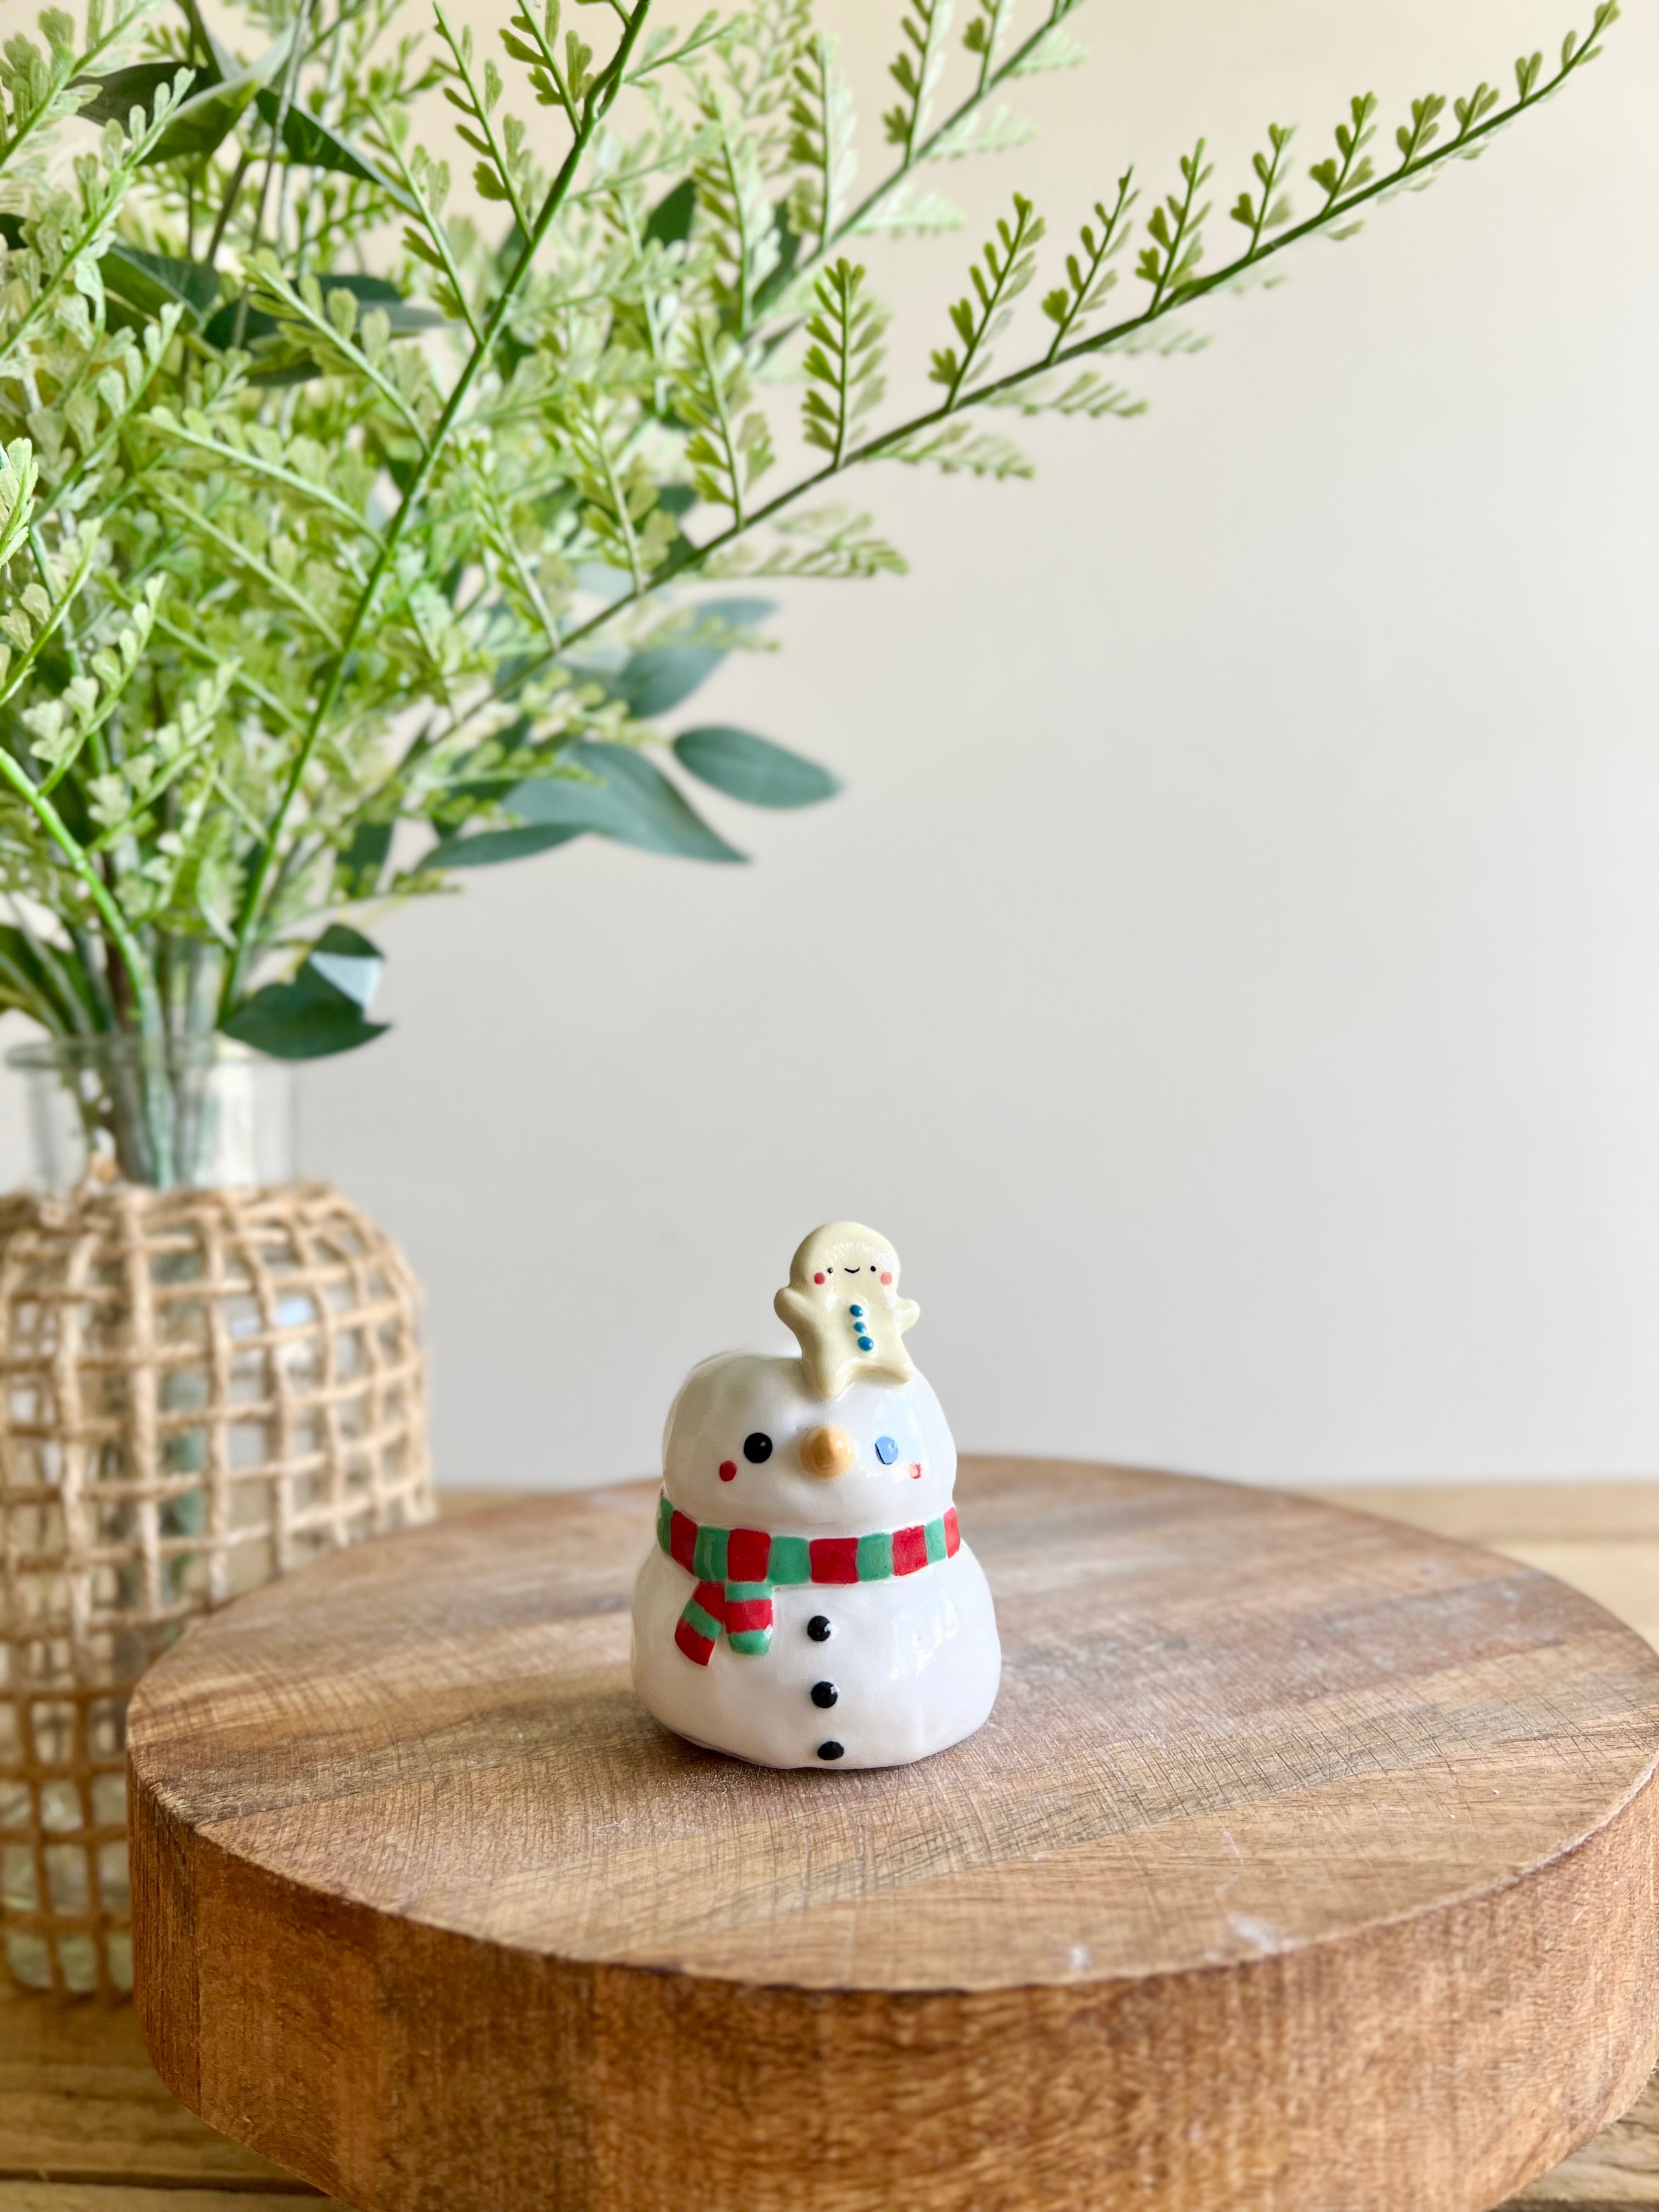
column 843, row 1305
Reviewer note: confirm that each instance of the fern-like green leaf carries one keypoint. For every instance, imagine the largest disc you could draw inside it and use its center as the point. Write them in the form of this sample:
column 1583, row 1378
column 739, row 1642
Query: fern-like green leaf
column 1002, row 273
column 843, row 360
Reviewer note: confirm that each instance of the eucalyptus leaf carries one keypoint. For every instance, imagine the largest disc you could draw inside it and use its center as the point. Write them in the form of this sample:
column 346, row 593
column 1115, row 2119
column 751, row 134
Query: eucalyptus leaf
column 345, row 959
column 751, row 768
column 404, row 315
column 120, row 91
column 153, row 281
column 670, row 222
column 220, row 330
column 322, row 1010
column 302, row 1020
column 486, row 849
column 657, row 678
column 212, row 106
column 220, row 61
column 364, row 859
column 788, row 247
column 307, row 139
column 628, row 799
column 245, row 631
column 202, row 122
column 259, row 328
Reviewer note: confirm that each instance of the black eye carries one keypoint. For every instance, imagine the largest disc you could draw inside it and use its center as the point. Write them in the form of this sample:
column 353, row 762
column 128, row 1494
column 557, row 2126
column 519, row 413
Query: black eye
column 757, row 1447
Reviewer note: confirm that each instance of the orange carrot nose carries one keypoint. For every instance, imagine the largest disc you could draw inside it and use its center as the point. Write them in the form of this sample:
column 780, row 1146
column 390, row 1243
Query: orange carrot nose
column 827, row 1451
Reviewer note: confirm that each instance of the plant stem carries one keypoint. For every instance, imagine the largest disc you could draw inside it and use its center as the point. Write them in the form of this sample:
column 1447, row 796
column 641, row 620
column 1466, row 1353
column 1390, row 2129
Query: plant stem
column 480, row 116
column 289, row 86
column 1181, row 235
column 278, row 124
column 1102, row 341
column 914, row 157
column 595, row 107
column 115, row 923
column 80, row 67
column 233, row 193
column 1108, row 240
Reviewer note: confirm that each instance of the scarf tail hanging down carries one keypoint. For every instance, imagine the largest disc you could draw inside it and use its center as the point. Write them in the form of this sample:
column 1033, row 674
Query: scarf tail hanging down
column 736, row 1570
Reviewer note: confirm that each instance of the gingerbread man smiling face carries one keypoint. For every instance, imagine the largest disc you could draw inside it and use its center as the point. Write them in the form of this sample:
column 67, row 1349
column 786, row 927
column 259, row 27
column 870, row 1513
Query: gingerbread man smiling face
column 843, row 1305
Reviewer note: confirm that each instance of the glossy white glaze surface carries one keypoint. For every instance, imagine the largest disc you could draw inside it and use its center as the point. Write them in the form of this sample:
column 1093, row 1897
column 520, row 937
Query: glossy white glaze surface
column 913, row 1659
column 737, row 1394
column 914, row 1663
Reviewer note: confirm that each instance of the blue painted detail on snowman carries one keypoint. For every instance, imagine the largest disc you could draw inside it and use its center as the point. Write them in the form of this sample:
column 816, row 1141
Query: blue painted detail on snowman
column 843, row 1657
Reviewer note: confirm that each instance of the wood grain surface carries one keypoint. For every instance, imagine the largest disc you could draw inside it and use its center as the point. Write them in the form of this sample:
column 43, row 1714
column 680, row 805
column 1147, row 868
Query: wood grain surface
column 81, row 2107
column 1283, row 1812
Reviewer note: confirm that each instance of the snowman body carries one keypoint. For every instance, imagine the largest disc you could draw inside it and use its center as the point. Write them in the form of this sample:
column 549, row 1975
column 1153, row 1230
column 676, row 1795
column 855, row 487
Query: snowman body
column 809, row 1601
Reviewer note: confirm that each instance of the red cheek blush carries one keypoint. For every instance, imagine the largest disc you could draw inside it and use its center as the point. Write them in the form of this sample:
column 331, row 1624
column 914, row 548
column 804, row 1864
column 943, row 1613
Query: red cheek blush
column 916, row 1470
column 819, row 1278
column 886, row 1278
column 729, row 1470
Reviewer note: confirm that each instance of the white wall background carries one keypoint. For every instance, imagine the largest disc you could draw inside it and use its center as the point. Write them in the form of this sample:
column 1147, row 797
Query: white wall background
column 1231, row 975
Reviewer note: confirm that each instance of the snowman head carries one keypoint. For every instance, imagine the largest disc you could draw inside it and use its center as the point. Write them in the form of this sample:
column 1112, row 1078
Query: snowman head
column 748, row 1445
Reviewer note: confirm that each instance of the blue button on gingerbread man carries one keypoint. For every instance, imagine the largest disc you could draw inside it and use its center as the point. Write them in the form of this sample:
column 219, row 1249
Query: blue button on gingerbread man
column 841, row 1303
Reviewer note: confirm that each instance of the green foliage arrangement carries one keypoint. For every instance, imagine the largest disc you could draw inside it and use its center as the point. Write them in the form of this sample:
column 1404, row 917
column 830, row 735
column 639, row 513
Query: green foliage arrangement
column 344, row 540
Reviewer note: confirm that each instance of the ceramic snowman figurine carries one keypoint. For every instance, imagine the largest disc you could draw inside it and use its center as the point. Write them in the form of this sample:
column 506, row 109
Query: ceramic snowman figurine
column 809, row 1601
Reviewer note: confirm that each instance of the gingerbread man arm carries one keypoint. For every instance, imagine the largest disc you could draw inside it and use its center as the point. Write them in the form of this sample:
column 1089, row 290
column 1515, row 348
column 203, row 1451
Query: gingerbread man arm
column 907, row 1313
column 826, row 1376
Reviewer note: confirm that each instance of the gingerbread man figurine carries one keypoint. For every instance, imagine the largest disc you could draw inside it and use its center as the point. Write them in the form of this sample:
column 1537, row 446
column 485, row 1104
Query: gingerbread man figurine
column 842, row 1303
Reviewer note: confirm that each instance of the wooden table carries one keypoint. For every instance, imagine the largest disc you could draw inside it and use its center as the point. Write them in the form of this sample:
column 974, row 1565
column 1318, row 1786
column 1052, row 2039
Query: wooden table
column 85, row 2126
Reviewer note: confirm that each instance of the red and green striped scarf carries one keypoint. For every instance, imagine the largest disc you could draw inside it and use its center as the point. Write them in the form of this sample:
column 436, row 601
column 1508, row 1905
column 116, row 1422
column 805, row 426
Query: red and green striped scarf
column 736, row 1570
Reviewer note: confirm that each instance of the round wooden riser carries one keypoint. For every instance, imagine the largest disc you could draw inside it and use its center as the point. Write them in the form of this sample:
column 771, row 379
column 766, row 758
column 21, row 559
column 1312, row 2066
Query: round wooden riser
column 1306, row 1864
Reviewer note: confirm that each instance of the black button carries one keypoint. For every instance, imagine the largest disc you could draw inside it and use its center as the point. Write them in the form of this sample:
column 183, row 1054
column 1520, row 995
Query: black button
column 818, row 1628
column 832, row 1750
column 757, row 1448
column 824, row 1694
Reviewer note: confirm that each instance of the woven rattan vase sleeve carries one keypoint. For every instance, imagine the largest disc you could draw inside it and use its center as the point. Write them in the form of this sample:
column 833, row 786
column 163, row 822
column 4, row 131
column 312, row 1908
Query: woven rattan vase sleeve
column 199, row 1390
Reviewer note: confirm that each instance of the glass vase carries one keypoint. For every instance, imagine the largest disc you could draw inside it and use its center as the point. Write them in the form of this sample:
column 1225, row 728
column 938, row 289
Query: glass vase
column 169, row 1113
column 210, row 1373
